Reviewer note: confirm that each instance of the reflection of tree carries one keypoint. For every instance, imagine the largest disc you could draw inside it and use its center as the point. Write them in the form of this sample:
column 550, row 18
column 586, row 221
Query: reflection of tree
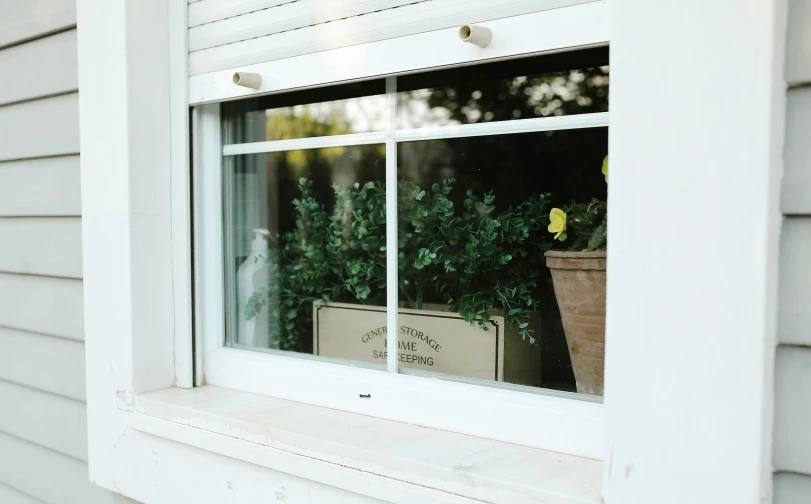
column 562, row 163
column 287, row 124
column 522, row 97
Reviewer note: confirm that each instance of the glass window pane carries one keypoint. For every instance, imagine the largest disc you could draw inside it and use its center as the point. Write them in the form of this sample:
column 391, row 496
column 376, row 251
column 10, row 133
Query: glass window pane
column 493, row 283
column 475, row 291
column 545, row 86
column 302, row 228
column 337, row 110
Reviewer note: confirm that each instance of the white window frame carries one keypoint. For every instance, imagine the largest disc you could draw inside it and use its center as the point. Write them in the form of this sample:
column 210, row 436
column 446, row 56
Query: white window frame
column 542, row 418
column 661, row 433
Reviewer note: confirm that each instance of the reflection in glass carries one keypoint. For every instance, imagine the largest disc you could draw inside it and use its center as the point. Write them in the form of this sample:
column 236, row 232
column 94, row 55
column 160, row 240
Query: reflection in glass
column 521, row 89
column 339, row 110
column 357, row 115
column 321, row 213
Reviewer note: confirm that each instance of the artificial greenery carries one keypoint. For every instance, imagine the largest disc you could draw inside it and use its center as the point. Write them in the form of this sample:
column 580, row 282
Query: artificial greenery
column 472, row 258
column 327, row 257
column 585, row 223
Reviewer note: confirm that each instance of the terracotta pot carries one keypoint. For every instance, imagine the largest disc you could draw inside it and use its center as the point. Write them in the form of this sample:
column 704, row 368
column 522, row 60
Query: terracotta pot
column 579, row 280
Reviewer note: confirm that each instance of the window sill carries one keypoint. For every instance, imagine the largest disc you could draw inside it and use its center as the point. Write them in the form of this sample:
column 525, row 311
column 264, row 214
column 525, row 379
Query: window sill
column 365, row 455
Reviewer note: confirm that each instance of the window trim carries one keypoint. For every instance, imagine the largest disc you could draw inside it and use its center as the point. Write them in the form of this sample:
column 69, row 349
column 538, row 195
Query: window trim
column 581, row 25
column 418, row 465
column 540, row 418
column 688, row 440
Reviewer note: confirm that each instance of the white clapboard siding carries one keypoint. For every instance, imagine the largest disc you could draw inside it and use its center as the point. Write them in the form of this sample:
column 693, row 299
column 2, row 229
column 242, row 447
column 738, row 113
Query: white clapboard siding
column 48, row 420
column 790, row 488
column 43, row 362
column 10, row 495
column 47, row 127
column 381, row 25
column 208, row 11
column 47, row 305
column 798, row 42
column 42, row 67
column 48, row 475
column 27, row 19
column 794, row 286
column 41, row 187
column 792, row 429
column 796, row 190
column 41, row 246
column 290, row 16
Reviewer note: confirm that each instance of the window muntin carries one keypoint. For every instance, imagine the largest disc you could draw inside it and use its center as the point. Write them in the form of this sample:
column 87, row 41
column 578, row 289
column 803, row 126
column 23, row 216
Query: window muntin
column 516, row 160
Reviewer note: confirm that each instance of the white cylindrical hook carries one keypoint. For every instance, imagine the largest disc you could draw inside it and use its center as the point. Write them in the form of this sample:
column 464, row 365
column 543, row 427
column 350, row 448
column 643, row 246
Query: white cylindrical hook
column 476, row 35
column 249, row 80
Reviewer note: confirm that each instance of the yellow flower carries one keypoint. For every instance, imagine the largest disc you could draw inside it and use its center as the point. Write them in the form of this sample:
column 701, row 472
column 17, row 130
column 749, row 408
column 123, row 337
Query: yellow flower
column 557, row 224
column 605, row 169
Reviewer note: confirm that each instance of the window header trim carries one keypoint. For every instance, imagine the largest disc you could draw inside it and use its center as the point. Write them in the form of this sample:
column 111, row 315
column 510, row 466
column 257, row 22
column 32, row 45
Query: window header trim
column 579, row 26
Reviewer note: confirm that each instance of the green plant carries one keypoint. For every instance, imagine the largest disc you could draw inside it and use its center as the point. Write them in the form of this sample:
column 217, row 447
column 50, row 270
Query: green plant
column 585, row 223
column 329, row 258
column 474, row 258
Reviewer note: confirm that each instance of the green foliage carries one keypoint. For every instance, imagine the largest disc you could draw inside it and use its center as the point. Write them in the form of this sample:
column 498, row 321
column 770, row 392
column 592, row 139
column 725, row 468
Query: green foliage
column 327, row 258
column 474, row 259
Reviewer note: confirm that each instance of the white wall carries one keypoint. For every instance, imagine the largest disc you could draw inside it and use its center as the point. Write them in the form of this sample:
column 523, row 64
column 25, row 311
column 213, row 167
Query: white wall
column 43, row 419
column 792, row 430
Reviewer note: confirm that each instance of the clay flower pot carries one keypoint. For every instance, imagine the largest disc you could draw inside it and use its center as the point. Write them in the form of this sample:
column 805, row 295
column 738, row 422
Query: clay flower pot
column 579, row 280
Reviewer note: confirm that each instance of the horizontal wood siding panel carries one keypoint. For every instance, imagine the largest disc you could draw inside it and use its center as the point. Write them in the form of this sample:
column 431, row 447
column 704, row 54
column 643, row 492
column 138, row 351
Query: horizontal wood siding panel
column 41, row 187
column 208, row 11
column 285, row 17
column 41, row 246
column 47, row 127
column 794, row 285
column 386, row 24
column 43, row 67
column 796, row 190
column 798, row 44
column 48, row 475
column 45, row 419
column 27, row 19
column 43, row 362
column 790, row 488
column 10, row 495
column 47, row 305
column 792, row 429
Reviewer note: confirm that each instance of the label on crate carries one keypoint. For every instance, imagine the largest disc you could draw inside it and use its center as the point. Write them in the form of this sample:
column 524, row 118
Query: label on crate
column 436, row 341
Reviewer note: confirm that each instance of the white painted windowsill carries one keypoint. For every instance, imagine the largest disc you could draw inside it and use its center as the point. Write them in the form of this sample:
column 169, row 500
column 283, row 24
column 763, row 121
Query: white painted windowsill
column 398, row 461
